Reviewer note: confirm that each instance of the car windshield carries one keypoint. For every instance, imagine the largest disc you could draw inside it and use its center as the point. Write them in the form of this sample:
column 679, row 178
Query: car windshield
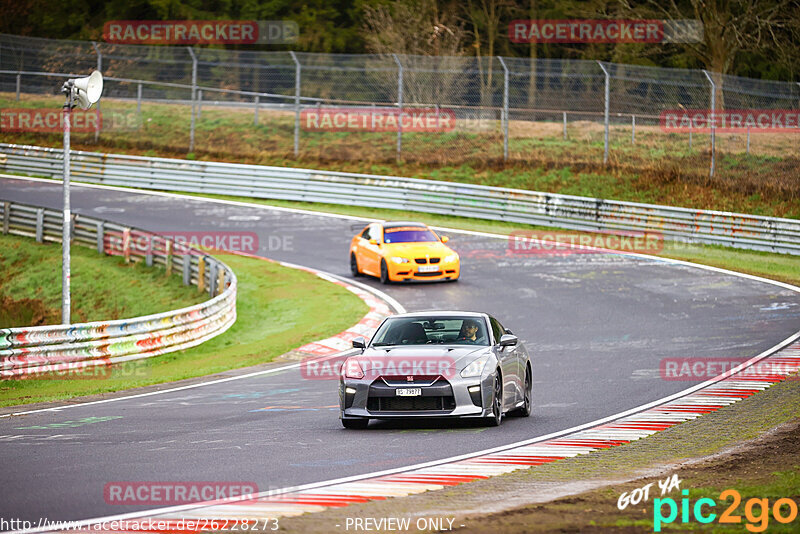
column 431, row 330
column 408, row 234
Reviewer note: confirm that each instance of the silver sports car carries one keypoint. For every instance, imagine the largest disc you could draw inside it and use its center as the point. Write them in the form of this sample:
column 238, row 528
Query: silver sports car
column 436, row 364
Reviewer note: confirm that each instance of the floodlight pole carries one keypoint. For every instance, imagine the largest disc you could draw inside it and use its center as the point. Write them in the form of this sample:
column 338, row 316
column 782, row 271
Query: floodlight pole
column 66, row 222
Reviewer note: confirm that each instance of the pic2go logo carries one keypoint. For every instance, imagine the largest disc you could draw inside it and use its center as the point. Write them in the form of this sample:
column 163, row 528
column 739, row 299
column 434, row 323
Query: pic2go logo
column 756, row 511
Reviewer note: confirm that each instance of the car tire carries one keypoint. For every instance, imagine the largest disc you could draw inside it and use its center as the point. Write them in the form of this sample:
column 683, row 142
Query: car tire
column 355, row 424
column 497, row 402
column 384, row 272
column 526, row 408
column 354, row 266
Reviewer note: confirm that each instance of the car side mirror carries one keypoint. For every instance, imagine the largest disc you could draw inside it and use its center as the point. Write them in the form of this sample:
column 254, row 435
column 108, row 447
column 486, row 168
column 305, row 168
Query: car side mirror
column 445, row 239
column 508, row 340
column 359, row 343
column 373, row 241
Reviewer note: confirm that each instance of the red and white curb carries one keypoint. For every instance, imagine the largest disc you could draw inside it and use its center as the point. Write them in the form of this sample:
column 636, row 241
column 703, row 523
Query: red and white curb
column 728, row 388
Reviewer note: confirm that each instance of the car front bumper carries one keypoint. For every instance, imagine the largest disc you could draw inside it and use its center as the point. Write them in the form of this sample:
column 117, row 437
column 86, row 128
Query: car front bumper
column 446, row 397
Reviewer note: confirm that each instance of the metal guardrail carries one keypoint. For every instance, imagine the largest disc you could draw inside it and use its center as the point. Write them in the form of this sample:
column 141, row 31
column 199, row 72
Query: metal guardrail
column 63, row 349
column 411, row 194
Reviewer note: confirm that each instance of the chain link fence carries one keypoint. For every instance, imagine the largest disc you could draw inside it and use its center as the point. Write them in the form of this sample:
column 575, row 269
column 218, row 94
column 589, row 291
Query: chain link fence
column 492, row 109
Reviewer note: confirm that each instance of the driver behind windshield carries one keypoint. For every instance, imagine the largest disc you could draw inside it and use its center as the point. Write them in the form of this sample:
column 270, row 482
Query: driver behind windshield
column 470, row 331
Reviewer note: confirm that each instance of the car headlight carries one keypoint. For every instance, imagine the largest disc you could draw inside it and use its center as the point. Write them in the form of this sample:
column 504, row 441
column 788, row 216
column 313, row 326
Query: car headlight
column 352, row 369
column 451, row 258
column 398, row 259
column 476, row 367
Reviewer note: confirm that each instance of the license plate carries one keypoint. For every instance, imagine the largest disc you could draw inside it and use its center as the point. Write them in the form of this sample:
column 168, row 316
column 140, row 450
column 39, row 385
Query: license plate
column 408, row 392
column 428, row 268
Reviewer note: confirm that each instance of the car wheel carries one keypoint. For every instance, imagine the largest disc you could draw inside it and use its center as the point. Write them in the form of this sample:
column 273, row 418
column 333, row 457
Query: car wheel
column 497, row 402
column 384, row 272
column 525, row 409
column 355, row 424
column 354, row 265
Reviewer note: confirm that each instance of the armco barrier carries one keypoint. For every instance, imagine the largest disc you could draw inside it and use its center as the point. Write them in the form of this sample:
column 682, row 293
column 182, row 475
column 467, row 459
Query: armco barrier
column 66, row 348
column 411, row 194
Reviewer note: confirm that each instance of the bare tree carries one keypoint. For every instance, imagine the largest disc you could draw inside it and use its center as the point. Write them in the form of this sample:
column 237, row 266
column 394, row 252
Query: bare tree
column 485, row 17
column 418, row 29
column 730, row 27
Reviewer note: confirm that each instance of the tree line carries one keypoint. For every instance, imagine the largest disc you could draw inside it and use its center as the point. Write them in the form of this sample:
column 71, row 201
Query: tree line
column 754, row 38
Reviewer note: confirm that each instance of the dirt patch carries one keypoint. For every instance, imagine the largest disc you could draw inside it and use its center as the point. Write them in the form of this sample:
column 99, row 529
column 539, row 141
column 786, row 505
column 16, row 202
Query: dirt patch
column 26, row 312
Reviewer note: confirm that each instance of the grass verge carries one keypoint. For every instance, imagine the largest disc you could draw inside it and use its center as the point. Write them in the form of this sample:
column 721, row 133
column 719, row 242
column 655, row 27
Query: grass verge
column 102, row 288
column 279, row 309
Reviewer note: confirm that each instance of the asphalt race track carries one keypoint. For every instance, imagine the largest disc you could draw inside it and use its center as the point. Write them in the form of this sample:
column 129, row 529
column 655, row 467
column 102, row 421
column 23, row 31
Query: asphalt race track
column 598, row 325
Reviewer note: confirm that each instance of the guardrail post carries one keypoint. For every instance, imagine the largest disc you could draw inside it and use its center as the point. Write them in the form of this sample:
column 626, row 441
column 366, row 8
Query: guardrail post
column 713, row 122
column 220, row 282
column 6, row 216
column 194, row 97
column 605, row 112
column 187, row 269
column 148, row 257
column 168, row 256
column 19, row 84
column 255, row 115
column 633, row 129
column 505, row 108
column 212, row 278
column 399, row 106
column 40, row 225
column 100, row 235
column 565, row 126
column 97, row 109
column 201, row 273
column 126, row 244
column 297, row 69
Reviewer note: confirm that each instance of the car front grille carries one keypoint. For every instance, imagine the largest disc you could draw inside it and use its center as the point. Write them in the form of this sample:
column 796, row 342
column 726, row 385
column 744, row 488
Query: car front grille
column 411, row 404
column 437, row 396
column 435, row 273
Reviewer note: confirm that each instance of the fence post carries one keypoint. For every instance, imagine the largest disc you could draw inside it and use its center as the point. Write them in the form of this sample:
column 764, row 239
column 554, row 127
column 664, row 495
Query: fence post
column 399, row 106
column 633, row 129
column 690, row 138
column 255, row 115
column 194, row 96
column 713, row 122
column 212, row 278
column 748, row 140
column 505, row 108
column 139, row 101
column 19, row 83
column 565, row 126
column 297, row 69
column 199, row 103
column 605, row 114
column 97, row 109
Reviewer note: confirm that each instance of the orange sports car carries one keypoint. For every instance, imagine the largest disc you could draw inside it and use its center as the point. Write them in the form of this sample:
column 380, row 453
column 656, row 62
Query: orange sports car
column 403, row 251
